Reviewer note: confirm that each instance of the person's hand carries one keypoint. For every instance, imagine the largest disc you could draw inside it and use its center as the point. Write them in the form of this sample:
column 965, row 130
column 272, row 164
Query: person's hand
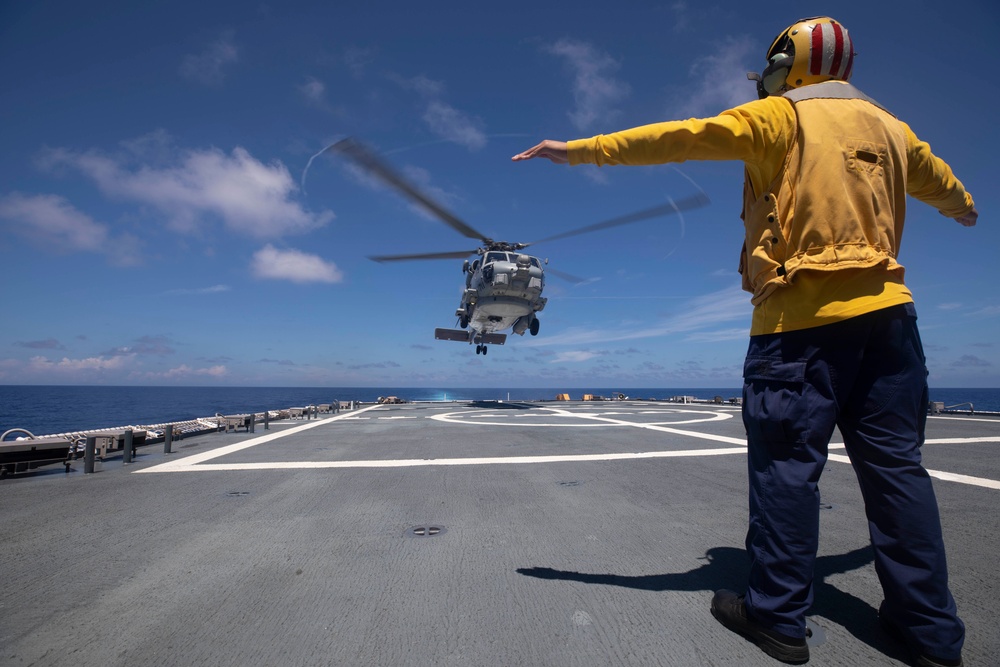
column 553, row 150
column 969, row 219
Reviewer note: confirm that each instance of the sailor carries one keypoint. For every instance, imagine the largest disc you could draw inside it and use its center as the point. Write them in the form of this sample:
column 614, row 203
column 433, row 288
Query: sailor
column 833, row 336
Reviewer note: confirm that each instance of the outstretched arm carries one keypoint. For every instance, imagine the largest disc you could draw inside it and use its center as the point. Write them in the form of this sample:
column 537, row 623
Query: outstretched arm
column 553, row 150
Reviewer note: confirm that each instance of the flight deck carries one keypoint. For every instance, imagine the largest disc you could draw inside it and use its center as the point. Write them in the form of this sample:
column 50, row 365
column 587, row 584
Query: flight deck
column 454, row 533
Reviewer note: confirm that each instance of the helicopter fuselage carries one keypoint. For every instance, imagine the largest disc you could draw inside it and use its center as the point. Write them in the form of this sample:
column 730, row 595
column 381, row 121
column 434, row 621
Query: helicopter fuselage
column 503, row 290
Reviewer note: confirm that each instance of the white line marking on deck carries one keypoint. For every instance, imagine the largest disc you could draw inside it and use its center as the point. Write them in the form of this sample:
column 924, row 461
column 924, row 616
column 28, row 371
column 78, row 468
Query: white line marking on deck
column 197, row 462
column 413, row 463
column 188, row 462
column 968, row 419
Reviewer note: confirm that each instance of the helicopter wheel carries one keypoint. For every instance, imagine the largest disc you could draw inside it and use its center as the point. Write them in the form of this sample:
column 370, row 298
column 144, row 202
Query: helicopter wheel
column 484, row 350
column 479, row 349
column 464, row 322
column 534, row 327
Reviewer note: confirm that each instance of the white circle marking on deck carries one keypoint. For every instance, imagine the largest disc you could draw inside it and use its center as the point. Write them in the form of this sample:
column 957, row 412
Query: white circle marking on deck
column 198, row 462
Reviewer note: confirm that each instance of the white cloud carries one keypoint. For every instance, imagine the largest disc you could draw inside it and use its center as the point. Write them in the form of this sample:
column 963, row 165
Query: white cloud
column 720, row 80
column 186, row 371
column 67, row 365
column 573, row 356
column 51, row 221
column 209, row 66
column 293, row 265
column 596, row 92
column 250, row 197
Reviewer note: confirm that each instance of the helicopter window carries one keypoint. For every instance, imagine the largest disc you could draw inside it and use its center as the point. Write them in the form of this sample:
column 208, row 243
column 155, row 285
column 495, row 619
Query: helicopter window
column 496, row 257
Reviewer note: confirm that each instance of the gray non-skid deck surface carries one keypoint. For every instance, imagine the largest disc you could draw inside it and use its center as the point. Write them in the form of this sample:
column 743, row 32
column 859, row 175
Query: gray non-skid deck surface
column 267, row 556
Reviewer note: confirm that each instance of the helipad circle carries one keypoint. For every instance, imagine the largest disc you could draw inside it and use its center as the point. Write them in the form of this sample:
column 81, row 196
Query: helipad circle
column 585, row 419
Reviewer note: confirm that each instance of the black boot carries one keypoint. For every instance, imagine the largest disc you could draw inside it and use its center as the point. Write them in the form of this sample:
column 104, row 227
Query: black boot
column 730, row 609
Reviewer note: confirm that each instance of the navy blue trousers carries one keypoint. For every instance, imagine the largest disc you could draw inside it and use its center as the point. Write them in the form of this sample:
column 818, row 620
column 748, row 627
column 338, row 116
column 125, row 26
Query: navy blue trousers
column 867, row 376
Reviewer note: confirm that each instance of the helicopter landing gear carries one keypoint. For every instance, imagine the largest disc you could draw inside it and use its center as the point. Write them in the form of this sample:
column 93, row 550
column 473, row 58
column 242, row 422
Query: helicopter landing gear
column 463, row 321
column 481, row 349
column 534, row 327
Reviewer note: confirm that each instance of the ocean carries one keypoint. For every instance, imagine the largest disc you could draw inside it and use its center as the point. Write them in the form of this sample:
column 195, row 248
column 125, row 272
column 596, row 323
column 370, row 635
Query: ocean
column 44, row 410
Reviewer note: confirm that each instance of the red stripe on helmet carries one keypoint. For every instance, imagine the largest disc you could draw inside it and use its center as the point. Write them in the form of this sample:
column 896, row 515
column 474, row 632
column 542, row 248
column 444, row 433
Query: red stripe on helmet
column 816, row 50
column 850, row 60
column 838, row 50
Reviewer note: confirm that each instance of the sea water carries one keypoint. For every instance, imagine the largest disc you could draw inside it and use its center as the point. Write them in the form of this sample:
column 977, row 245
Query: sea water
column 44, row 410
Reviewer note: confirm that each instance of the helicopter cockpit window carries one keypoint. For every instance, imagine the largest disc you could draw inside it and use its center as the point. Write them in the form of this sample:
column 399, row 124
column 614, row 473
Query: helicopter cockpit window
column 495, row 257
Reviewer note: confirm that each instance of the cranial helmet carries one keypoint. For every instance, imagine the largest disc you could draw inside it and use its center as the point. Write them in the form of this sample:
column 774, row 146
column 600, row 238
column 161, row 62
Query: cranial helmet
column 809, row 51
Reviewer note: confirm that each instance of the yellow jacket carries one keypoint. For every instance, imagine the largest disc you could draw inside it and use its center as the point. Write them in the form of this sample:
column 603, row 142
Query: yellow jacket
column 832, row 243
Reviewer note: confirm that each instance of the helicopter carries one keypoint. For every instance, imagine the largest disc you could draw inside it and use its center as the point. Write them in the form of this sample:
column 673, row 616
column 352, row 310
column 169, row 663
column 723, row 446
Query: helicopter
column 503, row 286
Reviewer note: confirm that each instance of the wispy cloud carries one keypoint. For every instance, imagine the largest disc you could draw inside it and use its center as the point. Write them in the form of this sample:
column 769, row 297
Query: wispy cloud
column 47, row 344
column 67, row 365
column 209, row 67
column 681, row 17
column 214, row 289
column 449, row 123
column 313, row 90
column 293, row 265
column 970, row 361
column 196, row 185
column 184, row 371
column 357, row 60
column 719, row 80
column 377, row 364
column 279, row 362
column 145, row 345
column 315, row 94
column 596, row 92
column 698, row 319
column 573, row 356
column 54, row 224
column 441, row 118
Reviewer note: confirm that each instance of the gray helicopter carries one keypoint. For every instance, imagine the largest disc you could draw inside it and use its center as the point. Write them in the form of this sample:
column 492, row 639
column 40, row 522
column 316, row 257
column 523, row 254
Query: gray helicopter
column 503, row 286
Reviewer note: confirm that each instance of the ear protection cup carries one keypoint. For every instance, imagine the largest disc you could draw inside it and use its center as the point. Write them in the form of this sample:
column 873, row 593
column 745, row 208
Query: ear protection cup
column 775, row 74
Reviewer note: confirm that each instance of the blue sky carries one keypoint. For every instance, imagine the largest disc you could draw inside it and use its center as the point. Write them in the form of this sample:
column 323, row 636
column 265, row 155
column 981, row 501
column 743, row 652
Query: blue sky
column 158, row 225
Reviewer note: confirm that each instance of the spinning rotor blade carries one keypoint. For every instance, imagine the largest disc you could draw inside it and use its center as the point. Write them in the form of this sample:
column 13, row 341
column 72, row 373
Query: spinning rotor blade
column 566, row 276
column 456, row 254
column 367, row 160
column 686, row 204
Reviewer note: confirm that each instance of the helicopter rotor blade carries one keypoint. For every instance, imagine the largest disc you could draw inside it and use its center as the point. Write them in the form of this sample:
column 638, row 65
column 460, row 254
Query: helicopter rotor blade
column 366, row 159
column 566, row 276
column 455, row 254
column 686, row 204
